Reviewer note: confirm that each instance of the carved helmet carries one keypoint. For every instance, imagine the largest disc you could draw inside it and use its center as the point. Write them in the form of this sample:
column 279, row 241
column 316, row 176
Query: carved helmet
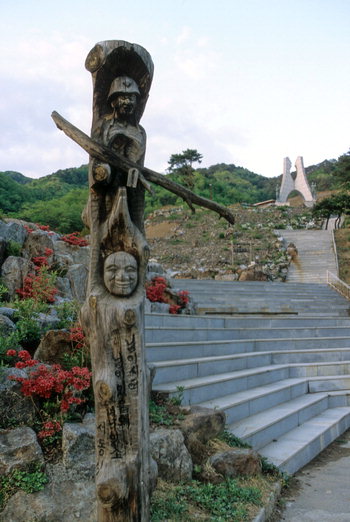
column 123, row 85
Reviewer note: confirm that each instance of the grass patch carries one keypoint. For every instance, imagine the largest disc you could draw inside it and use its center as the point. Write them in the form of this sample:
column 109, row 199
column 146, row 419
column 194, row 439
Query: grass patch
column 342, row 239
column 231, row 500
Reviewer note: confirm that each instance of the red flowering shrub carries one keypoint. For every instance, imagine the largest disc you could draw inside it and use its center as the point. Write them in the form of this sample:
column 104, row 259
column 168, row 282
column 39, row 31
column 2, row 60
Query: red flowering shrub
column 46, row 228
column 184, row 297
column 49, row 429
column 58, row 389
column 77, row 336
column 28, row 229
column 174, row 309
column 156, row 291
column 39, row 285
column 49, row 382
column 74, row 239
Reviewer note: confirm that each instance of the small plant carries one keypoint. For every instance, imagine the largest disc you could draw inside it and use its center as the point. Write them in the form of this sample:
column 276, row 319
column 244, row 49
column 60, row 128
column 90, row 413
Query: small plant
column 28, row 330
column 13, row 249
column 232, row 440
column 268, row 468
column 80, row 355
column 67, row 313
column 178, row 398
column 166, row 411
column 3, row 293
column 30, row 481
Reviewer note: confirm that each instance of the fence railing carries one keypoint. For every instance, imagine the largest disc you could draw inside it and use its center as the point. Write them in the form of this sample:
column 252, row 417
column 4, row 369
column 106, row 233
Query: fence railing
column 340, row 286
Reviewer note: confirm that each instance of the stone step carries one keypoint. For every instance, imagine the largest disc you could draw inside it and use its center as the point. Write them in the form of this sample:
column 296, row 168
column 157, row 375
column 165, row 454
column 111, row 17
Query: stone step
column 163, row 334
column 207, row 321
column 296, row 448
column 264, row 427
column 249, row 309
column 241, row 405
column 156, row 352
column 210, row 387
column 243, row 287
column 249, row 402
column 183, row 369
column 193, row 285
column 329, row 383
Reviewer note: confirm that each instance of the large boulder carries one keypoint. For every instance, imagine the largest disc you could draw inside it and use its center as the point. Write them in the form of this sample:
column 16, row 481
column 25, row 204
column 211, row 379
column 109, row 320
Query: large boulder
column 14, row 407
column 3, row 245
column 236, row 462
column 6, row 325
column 65, row 499
column 13, row 272
column 203, row 423
column 171, row 455
column 252, row 273
column 36, row 244
column 13, row 231
column 78, row 445
column 78, row 275
column 53, row 346
column 79, row 255
column 63, row 286
column 19, row 449
column 200, row 426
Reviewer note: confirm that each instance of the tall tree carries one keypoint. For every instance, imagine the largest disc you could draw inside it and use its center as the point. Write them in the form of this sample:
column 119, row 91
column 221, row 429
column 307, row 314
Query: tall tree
column 182, row 164
column 343, row 169
column 335, row 205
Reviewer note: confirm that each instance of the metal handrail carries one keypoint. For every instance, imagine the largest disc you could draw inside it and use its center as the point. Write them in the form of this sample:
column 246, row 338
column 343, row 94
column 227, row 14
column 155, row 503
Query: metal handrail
column 340, row 286
column 335, row 252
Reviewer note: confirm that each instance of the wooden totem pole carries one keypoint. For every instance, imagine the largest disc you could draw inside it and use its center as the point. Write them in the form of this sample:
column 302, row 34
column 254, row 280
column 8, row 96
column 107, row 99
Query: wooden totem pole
column 112, row 315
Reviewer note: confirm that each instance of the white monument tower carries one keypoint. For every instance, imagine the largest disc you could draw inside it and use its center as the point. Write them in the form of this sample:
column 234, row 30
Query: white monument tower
column 296, row 181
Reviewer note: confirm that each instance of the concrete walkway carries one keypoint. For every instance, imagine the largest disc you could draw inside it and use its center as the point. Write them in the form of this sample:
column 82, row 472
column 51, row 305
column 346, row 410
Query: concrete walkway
column 320, row 491
column 315, row 255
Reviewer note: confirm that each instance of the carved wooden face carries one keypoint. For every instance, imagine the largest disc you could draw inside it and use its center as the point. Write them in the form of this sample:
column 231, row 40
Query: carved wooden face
column 120, row 273
column 125, row 104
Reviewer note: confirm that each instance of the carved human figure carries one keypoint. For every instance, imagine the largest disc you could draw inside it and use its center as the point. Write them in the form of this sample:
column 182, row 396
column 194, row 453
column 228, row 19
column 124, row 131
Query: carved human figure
column 120, row 274
column 119, row 129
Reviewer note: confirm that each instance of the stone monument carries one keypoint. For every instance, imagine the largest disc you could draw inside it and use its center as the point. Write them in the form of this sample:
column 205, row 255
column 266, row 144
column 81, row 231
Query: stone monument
column 295, row 181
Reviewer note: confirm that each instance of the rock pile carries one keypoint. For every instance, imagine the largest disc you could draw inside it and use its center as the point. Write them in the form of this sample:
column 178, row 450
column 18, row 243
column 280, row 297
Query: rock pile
column 20, row 242
column 70, row 491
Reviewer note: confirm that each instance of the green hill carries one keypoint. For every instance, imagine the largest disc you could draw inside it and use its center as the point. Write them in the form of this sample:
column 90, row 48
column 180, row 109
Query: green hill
column 58, row 199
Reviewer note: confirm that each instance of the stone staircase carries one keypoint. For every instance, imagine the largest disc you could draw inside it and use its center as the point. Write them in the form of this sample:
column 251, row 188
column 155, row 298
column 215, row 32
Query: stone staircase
column 274, row 356
column 315, row 255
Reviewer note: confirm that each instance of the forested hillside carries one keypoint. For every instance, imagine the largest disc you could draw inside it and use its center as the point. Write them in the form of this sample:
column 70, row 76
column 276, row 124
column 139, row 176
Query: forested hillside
column 58, row 199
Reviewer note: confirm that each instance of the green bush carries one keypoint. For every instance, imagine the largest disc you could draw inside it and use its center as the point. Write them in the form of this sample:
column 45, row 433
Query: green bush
column 13, row 249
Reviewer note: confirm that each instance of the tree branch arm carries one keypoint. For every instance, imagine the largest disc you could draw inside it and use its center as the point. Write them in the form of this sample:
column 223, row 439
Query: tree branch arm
column 103, row 153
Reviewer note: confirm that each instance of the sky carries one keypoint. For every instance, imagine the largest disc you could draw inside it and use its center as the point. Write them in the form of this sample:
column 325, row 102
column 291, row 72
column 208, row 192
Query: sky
column 245, row 82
